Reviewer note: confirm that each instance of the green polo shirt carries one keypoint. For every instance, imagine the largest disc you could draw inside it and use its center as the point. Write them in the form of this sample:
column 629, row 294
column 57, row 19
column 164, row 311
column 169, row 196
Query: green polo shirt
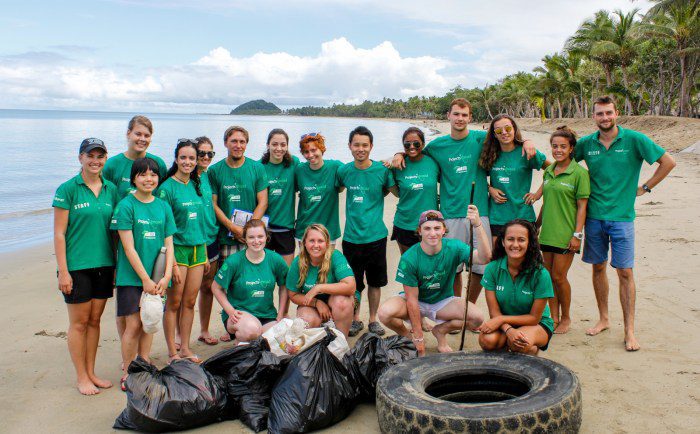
column 433, row 275
column 459, row 167
column 188, row 210
column 364, row 203
column 88, row 239
column 318, row 197
column 236, row 188
column 250, row 287
column 516, row 297
column 151, row 223
column 559, row 207
column 280, row 194
column 117, row 170
column 615, row 171
column 339, row 270
column 417, row 185
column 210, row 223
column 512, row 174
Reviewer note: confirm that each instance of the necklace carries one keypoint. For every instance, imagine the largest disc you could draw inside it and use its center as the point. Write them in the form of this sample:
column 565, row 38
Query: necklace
column 178, row 178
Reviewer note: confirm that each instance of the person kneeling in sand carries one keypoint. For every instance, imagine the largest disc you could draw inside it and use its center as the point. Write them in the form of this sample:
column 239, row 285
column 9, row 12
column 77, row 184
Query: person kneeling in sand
column 426, row 271
column 518, row 288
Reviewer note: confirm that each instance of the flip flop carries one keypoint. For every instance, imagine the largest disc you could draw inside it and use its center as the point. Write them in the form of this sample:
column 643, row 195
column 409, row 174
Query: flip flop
column 193, row 358
column 208, row 341
column 225, row 338
column 172, row 357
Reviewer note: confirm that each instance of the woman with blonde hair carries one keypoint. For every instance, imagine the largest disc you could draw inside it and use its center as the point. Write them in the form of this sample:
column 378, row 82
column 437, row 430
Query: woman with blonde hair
column 321, row 282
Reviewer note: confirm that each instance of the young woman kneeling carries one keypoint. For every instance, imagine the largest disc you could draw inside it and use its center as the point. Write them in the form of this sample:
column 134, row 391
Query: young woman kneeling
column 518, row 287
column 427, row 273
column 245, row 284
column 321, row 282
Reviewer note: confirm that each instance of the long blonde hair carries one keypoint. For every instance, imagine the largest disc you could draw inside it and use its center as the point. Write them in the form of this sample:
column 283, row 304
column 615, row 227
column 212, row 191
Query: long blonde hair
column 305, row 258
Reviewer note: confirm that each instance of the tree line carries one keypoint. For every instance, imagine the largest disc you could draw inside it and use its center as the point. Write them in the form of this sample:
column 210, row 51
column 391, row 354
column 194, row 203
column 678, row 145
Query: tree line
column 647, row 61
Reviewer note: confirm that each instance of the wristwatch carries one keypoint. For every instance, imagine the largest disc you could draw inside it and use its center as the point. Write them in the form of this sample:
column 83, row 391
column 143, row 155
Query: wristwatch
column 578, row 235
column 646, row 188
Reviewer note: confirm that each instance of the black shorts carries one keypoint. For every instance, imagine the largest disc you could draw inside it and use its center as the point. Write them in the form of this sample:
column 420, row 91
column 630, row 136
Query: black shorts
column 281, row 240
column 557, row 250
column 90, row 283
column 263, row 321
column 213, row 251
column 497, row 230
column 128, row 300
column 549, row 337
column 367, row 260
column 404, row 237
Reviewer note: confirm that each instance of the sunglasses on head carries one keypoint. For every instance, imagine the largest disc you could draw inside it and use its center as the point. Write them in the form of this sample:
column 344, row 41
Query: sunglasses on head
column 202, row 154
column 303, row 136
column 416, row 144
column 185, row 141
column 500, row 130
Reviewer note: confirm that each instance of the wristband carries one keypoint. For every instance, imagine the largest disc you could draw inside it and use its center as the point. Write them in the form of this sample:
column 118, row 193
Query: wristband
column 506, row 330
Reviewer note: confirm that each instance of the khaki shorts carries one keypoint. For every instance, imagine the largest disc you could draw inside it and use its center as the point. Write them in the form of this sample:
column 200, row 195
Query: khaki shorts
column 458, row 229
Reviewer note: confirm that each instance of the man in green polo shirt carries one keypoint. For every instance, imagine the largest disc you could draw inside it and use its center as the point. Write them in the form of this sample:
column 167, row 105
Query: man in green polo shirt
column 614, row 157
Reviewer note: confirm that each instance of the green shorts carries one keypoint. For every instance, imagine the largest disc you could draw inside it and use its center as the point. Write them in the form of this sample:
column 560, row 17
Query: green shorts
column 191, row 256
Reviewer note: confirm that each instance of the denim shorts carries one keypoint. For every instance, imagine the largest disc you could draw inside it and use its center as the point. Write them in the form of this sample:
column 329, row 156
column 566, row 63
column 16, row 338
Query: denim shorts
column 604, row 235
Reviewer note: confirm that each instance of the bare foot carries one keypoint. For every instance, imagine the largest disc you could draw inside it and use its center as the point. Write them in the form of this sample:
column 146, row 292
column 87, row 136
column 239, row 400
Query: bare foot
column 444, row 348
column 87, row 388
column 225, row 338
column 563, row 326
column 425, row 325
column 99, row 382
column 631, row 343
column 600, row 326
column 207, row 338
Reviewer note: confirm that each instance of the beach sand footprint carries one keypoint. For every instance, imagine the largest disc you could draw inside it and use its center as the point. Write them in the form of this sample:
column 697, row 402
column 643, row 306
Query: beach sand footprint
column 61, row 335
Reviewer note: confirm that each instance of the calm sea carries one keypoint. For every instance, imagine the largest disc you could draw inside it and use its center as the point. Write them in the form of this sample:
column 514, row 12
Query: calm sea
column 40, row 152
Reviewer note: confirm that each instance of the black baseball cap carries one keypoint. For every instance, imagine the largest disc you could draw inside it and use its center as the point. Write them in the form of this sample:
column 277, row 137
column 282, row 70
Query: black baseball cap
column 91, row 143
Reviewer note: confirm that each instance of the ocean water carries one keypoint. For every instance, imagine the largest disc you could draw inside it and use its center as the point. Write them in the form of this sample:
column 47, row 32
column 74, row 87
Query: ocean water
column 40, row 151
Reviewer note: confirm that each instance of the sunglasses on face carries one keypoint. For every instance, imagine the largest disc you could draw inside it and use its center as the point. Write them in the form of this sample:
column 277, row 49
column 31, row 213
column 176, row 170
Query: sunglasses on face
column 500, row 130
column 303, row 136
column 416, row 144
column 202, row 154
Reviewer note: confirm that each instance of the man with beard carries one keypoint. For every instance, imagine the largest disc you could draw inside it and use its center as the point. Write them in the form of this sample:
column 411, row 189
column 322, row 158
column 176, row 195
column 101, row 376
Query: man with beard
column 614, row 158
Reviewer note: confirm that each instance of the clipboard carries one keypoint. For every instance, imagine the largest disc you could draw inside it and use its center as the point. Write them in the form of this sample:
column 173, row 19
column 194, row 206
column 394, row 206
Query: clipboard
column 240, row 217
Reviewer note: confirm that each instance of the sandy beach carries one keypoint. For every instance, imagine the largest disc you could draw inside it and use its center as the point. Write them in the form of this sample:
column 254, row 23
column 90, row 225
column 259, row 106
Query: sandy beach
column 653, row 390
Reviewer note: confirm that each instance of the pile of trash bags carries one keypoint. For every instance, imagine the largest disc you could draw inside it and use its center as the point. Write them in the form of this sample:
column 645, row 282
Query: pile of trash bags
column 316, row 387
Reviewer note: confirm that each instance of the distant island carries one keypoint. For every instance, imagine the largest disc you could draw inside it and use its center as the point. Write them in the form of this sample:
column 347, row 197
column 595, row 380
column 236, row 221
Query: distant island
column 256, row 107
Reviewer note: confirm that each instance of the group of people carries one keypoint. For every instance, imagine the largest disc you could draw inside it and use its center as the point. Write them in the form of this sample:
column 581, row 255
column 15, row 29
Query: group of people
column 230, row 231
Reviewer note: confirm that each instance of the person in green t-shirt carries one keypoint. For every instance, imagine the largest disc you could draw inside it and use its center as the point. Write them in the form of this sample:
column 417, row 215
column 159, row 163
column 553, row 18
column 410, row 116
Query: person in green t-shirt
column 238, row 184
column 566, row 189
column 426, row 271
column 181, row 190
column 245, row 285
column 364, row 239
column 510, row 174
column 315, row 181
column 145, row 225
column 280, row 166
column 517, row 289
column 321, row 282
column 83, row 207
column 118, row 168
column 205, row 155
column 614, row 157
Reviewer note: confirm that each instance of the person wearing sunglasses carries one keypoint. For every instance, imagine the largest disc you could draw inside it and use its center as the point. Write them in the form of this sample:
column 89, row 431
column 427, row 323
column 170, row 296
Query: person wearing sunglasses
column 510, row 174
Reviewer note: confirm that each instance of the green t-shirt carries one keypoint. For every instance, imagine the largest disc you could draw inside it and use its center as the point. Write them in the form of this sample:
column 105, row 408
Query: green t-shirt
column 433, row 275
column 236, row 189
column 559, row 207
column 211, row 225
column 417, row 185
column 339, row 270
column 364, row 203
column 88, row 239
column 251, row 287
column 516, row 298
column 280, row 194
column 512, row 174
column 151, row 223
column 459, row 167
column 188, row 210
column 615, row 171
column 117, row 170
column 318, row 197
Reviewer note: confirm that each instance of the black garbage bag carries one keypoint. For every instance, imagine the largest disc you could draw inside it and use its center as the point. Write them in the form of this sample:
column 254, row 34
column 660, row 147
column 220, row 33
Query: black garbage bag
column 249, row 372
column 314, row 392
column 372, row 356
column 180, row 396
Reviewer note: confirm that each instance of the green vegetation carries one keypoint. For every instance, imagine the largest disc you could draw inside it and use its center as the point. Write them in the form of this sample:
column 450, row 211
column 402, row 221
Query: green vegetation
column 648, row 62
column 256, row 107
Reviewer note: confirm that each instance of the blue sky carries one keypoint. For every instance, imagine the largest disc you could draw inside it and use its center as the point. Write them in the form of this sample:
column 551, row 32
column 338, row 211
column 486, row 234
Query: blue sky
column 176, row 55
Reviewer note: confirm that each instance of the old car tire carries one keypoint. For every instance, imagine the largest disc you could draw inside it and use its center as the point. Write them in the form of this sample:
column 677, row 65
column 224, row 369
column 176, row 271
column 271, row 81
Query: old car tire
column 479, row 392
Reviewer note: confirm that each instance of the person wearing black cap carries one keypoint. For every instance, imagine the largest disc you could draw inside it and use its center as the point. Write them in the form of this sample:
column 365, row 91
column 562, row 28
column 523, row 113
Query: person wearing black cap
column 83, row 207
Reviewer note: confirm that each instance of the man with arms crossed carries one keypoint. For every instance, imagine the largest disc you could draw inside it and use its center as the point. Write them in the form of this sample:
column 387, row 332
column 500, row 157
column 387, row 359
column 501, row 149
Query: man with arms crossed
column 614, row 158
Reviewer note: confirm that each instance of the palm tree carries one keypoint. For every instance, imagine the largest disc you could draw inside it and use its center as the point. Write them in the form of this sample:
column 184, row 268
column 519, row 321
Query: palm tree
column 590, row 40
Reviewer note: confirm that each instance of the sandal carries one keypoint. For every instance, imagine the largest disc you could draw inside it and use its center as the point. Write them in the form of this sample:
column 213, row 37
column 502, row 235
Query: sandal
column 209, row 341
column 192, row 358
column 173, row 357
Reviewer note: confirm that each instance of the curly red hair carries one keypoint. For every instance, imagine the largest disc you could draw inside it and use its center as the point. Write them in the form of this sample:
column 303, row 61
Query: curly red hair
column 318, row 139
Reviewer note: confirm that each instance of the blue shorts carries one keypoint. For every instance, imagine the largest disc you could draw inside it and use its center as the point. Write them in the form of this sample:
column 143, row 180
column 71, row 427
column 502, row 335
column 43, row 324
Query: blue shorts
column 604, row 235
